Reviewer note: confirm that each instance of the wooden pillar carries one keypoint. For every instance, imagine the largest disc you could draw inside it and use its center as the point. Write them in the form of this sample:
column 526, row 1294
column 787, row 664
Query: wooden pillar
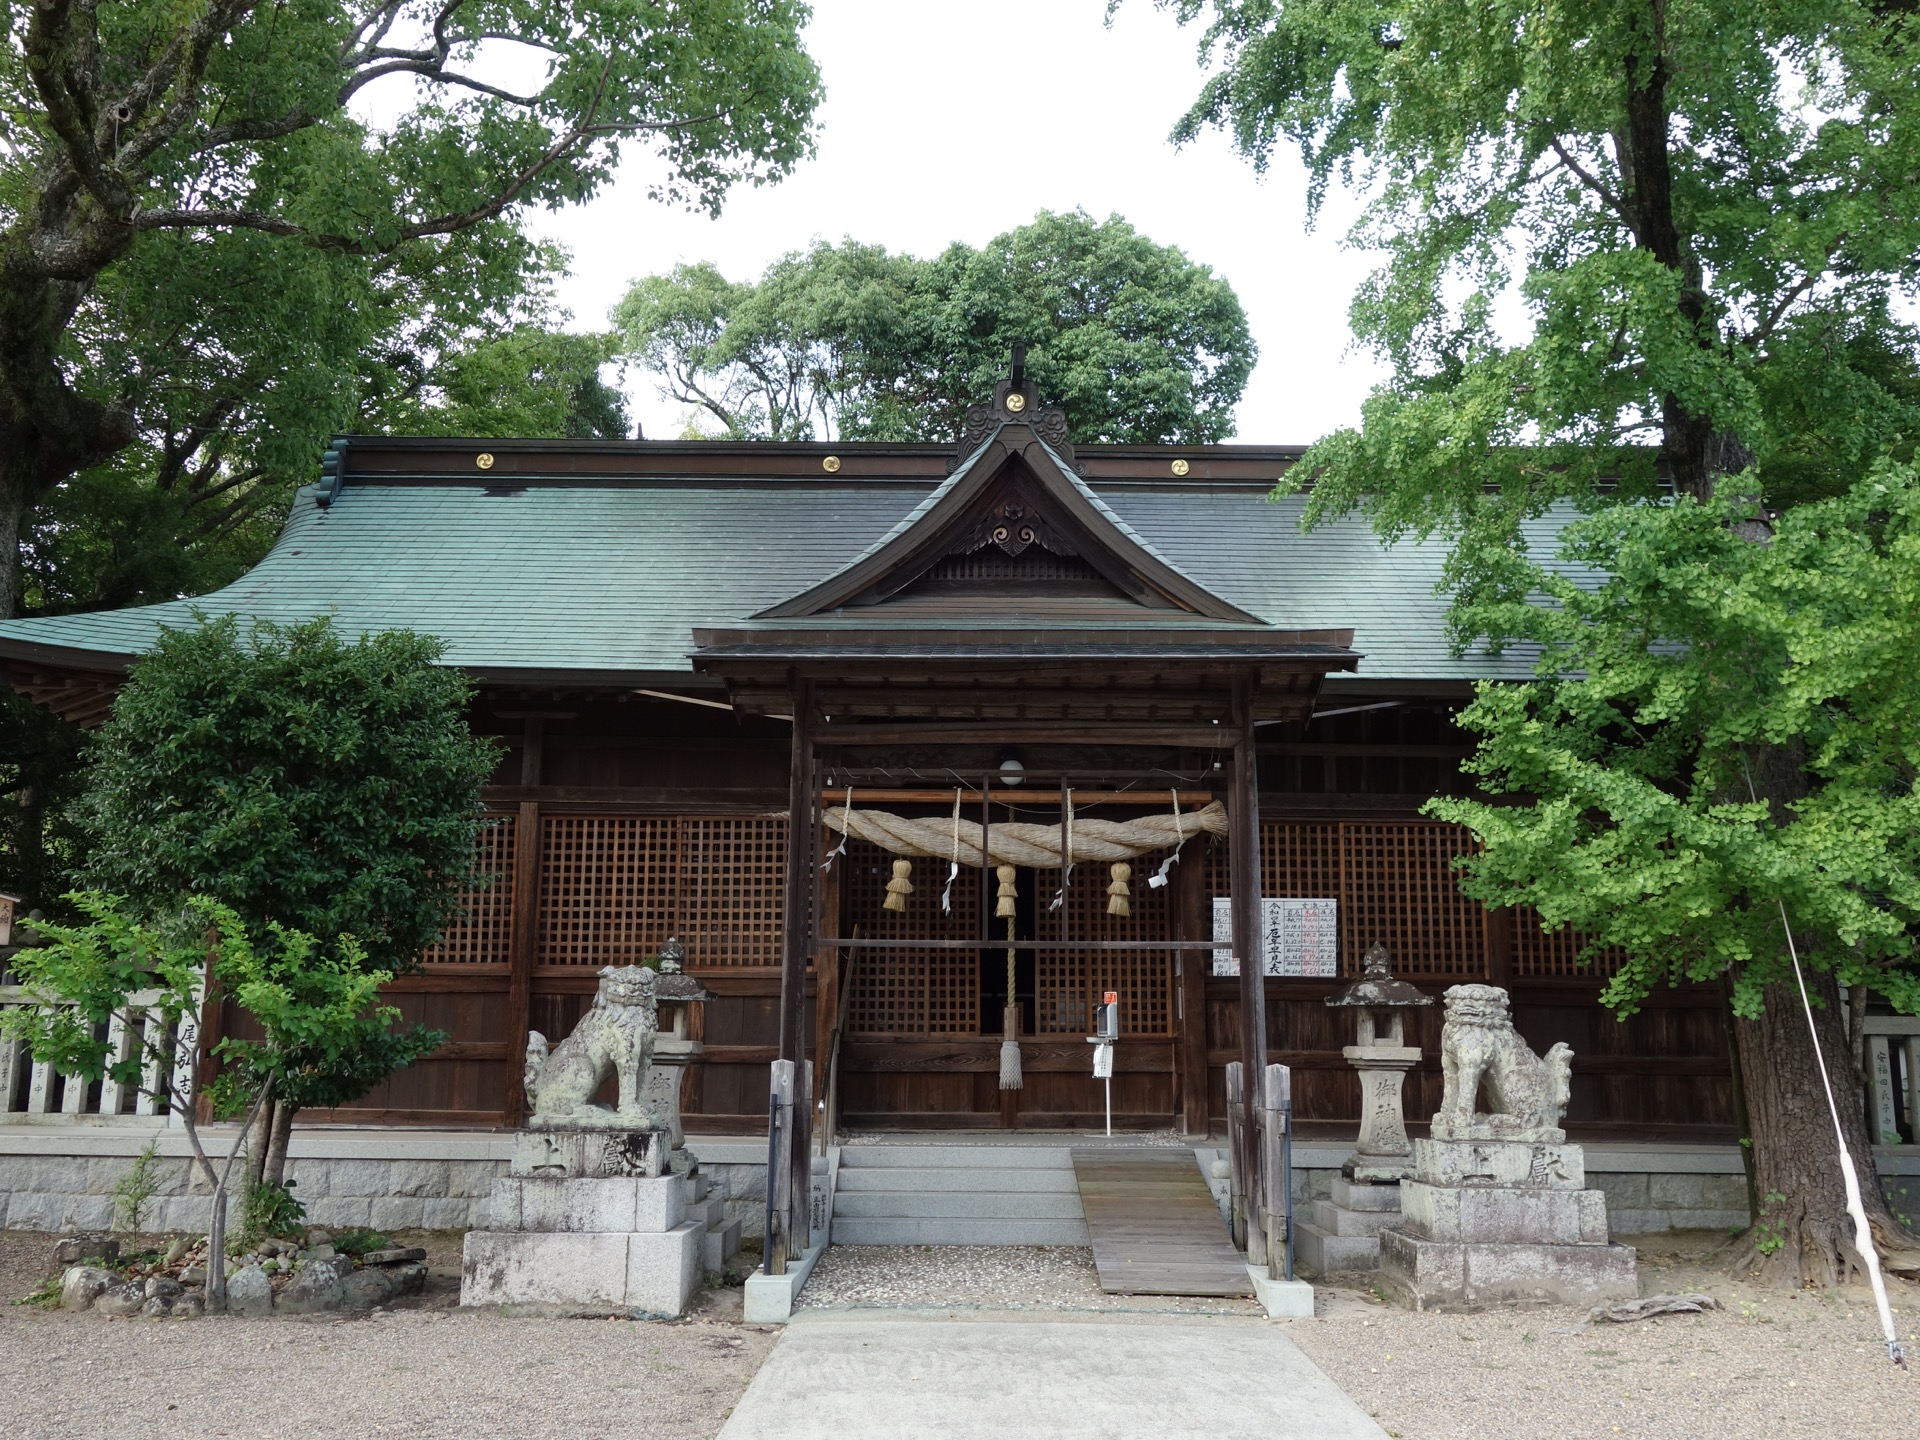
column 1243, row 823
column 522, row 939
column 1193, row 920
column 797, row 922
column 827, row 968
column 1497, row 925
column 533, row 745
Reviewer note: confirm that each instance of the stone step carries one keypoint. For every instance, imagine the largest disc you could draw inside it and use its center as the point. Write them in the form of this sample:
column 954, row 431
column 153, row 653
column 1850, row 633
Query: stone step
column 954, row 1205
column 957, row 1157
column 1319, row 1252
column 862, row 1231
column 1349, row 1195
column 886, row 1178
column 1337, row 1220
column 709, row 1212
column 719, row 1244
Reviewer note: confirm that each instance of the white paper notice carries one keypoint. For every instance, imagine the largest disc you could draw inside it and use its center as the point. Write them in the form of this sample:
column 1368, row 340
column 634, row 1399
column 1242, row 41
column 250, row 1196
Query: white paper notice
column 1300, row 937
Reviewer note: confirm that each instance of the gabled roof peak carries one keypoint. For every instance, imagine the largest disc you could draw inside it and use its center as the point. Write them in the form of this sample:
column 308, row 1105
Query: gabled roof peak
column 1015, row 492
column 1015, row 401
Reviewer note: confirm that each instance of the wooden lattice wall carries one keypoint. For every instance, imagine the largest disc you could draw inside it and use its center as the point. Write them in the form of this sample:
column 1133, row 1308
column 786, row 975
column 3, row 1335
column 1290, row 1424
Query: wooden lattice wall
column 481, row 933
column 911, row 992
column 1070, row 983
column 1397, row 884
column 614, row 888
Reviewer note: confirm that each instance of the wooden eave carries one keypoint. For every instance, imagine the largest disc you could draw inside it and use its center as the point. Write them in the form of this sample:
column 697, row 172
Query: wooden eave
column 1145, row 676
column 76, row 685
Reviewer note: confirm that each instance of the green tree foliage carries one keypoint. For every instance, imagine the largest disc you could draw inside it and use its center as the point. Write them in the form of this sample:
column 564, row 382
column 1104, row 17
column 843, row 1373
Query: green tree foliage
column 211, row 216
column 1641, row 260
column 312, row 1003
column 1646, row 833
column 328, row 786
column 1136, row 342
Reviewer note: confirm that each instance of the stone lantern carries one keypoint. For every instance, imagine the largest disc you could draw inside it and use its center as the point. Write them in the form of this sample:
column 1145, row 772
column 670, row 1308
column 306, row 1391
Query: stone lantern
column 1382, row 1056
column 1344, row 1233
column 676, row 993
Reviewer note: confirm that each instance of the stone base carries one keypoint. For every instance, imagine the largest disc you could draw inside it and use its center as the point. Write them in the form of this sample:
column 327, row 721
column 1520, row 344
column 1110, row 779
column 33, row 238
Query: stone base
column 570, row 1151
column 1540, row 1165
column 652, row 1273
column 1451, row 1275
column 1282, row 1299
column 617, row 1205
column 1508, row 1215
column 768, row 1299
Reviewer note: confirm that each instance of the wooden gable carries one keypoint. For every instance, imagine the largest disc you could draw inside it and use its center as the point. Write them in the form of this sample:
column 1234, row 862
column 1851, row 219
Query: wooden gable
column 1013, row 532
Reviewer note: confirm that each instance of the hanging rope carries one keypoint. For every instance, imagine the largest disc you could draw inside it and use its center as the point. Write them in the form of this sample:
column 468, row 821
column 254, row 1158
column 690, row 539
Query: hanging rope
column 1033, row 847
column 1066, row 859
column 953, row 863
column 841, row 848
column 1159, row 877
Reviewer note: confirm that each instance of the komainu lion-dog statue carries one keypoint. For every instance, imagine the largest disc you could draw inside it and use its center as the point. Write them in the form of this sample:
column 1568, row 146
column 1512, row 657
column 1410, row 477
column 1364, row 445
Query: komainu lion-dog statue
column 616, row 1034
column 1479, row 1047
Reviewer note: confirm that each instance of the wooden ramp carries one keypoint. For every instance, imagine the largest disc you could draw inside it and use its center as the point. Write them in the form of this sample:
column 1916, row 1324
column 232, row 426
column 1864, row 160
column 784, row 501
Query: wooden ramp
column 1155, row 1228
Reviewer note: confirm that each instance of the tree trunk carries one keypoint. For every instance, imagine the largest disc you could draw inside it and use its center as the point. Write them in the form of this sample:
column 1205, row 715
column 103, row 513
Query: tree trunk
column 13, row 514
column 277, row 1146
column 259, row 1136
column 1804, row 1236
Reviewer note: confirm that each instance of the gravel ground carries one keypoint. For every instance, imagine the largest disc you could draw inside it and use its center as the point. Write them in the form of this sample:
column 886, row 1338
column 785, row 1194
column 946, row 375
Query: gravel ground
column 424, row 1367
column 981, row 1277
column 1772, row 1363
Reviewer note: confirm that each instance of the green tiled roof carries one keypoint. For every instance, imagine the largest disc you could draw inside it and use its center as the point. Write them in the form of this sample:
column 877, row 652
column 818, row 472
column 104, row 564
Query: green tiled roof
column 612, row 578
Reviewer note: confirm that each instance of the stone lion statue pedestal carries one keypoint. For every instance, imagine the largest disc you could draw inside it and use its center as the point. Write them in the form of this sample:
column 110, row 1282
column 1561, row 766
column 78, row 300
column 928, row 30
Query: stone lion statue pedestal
column 593, row 1213
column 1496, row 1209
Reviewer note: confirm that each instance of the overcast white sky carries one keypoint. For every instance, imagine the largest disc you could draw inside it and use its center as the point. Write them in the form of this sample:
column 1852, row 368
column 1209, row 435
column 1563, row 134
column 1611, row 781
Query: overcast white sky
column 952, row 121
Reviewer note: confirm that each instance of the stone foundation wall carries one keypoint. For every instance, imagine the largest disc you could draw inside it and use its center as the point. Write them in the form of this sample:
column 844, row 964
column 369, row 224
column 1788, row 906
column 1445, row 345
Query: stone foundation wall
column 442, row 1185
column 62, row 1178
column 1648, row 1192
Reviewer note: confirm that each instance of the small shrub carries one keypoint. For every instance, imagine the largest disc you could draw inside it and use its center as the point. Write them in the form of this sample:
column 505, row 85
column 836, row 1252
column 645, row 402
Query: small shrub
column 133, row 1190
column 1767, row 1236
column 358, row 1242
column 45, row 1297
column 269, row 1210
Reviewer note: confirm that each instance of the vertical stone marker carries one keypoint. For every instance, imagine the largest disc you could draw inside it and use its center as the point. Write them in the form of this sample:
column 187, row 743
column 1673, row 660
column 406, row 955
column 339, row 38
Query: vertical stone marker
column 1496, row 1210
column 593, row 1210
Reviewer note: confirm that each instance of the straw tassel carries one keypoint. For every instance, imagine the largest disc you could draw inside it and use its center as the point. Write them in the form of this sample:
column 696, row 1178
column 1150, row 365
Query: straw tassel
column 1117, row 902
column 1006, row 909
column 899, row 887
column 1010, row 1016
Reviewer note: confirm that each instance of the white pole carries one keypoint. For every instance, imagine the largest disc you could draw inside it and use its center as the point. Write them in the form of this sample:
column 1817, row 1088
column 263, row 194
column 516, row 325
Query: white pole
column 1109, row 1083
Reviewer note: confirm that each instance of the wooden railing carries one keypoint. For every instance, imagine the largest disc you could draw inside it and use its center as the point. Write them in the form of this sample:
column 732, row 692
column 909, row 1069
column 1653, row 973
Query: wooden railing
column 33, row 1092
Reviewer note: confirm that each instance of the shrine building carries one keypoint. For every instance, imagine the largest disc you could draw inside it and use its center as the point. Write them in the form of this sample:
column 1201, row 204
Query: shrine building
column 749, row 693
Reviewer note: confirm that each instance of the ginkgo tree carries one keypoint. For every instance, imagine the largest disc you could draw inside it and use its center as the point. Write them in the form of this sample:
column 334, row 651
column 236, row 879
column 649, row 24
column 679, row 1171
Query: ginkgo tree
column 1644, row 259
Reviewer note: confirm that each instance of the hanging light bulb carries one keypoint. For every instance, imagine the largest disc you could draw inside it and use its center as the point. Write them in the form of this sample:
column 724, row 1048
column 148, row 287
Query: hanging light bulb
column 1012, row 772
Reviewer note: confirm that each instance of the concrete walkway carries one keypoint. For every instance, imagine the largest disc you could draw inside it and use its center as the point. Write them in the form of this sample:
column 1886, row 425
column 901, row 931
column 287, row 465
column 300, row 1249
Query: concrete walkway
column 841, row 1376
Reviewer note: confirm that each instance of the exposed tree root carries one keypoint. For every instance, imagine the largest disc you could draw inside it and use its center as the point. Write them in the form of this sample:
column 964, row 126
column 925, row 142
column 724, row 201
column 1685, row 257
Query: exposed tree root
column 1820, row 1254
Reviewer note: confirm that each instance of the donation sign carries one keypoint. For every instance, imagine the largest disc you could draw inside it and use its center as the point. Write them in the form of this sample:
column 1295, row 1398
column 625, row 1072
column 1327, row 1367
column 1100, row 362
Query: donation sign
column 1298, row 937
